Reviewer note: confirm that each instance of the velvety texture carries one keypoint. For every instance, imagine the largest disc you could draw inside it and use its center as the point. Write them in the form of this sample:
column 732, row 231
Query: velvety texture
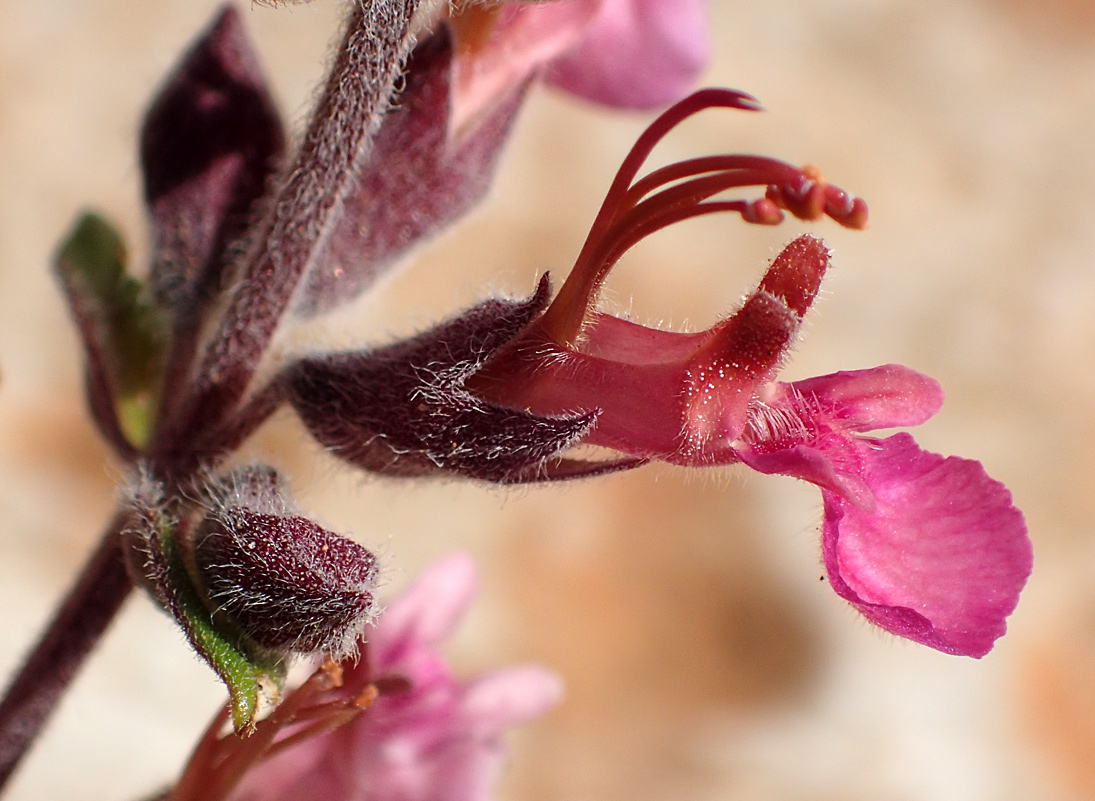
column 421, row 176
column 208, row 146
column 927, row 547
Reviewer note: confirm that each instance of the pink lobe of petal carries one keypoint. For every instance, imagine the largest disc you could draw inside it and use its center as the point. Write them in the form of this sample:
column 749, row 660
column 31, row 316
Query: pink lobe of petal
column 942, row 557
column 866, row 400
column 636, row 53
column 502, row 699
column 466, row 765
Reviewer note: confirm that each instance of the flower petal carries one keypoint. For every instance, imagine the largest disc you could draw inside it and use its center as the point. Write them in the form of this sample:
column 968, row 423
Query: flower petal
column 437, row 739
column 816, row 463
column 801, row 429
column 636, row 53
column 940, row 559
column 425, row 614
column 504, row 698
column 866, row 400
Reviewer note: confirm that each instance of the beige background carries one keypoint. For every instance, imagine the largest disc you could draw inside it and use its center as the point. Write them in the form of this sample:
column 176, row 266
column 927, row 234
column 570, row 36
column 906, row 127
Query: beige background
column 704, row 659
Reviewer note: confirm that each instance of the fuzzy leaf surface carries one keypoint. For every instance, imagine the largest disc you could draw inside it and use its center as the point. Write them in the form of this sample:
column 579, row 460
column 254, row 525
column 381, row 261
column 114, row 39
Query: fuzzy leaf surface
column 208, row 145
column 421, row 176
column 404, row 410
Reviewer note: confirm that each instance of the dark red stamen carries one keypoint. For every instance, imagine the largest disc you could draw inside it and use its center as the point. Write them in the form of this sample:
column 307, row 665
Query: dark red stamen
column 634, row 209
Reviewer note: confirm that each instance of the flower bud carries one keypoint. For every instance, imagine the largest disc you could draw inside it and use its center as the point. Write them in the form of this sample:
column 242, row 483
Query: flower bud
column 285, row 582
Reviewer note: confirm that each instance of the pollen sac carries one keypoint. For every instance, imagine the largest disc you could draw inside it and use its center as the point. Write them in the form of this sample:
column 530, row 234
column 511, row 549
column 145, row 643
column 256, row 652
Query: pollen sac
column 287, row 584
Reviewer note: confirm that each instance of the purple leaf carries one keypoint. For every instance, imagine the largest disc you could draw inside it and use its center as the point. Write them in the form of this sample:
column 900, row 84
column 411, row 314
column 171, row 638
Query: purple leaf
column 419, row 178
column 208, row 145
column 301, row 215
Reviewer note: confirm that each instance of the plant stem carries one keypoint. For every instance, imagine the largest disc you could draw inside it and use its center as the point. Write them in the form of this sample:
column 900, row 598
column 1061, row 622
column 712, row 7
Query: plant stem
column 302, row 215
column 91, row 604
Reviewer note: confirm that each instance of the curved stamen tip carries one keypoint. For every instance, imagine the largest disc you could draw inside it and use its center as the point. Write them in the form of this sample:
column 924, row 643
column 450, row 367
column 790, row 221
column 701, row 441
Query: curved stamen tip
column 635, row 208
column 746, row 102
column 810, row 198
column 714, row 97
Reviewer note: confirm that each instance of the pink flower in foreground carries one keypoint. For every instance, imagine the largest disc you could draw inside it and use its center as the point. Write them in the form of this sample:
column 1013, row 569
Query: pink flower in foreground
column 931, row 549
column 928, row 548
column 427, row 736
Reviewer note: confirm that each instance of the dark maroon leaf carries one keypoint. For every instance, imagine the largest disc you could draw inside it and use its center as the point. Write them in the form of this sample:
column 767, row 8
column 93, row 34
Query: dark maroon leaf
column 300, row 217
column 418, row 180
column 209, row 143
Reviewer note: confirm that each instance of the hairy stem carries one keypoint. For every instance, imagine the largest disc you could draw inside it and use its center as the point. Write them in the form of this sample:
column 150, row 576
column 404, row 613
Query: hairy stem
column 88, row 609
column 303, row 213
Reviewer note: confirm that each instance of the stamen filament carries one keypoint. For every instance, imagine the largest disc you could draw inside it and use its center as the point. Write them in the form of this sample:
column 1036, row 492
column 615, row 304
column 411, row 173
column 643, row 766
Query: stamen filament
column 325, row 718
column 722, row 163
column 563, row 326
column 670, row 216
column 634, row 208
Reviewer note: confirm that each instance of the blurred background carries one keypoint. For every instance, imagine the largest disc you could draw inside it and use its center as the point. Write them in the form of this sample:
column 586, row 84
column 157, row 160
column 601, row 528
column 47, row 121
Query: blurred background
column 703, row 658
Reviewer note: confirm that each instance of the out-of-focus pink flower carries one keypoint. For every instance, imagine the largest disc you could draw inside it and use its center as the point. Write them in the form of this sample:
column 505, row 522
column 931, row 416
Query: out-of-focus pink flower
column 637, row 54
column 427, row 736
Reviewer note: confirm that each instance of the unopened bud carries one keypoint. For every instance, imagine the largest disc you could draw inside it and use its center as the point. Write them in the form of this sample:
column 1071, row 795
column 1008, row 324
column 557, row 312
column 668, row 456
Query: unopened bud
column 285, row 582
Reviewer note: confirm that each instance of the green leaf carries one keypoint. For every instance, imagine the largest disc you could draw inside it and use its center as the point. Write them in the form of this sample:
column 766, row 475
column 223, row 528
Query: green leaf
column 246, row 672
column 115, row 319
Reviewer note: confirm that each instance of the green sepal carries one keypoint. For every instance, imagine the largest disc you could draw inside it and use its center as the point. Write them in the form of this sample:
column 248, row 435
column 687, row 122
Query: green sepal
column 112, row 310
column 247, row 672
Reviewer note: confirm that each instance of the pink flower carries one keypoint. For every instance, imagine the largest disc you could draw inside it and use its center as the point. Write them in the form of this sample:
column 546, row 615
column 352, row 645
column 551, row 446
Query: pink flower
column 927, row 547
column 427, row 736
column 625, row 53
column 931, row 549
